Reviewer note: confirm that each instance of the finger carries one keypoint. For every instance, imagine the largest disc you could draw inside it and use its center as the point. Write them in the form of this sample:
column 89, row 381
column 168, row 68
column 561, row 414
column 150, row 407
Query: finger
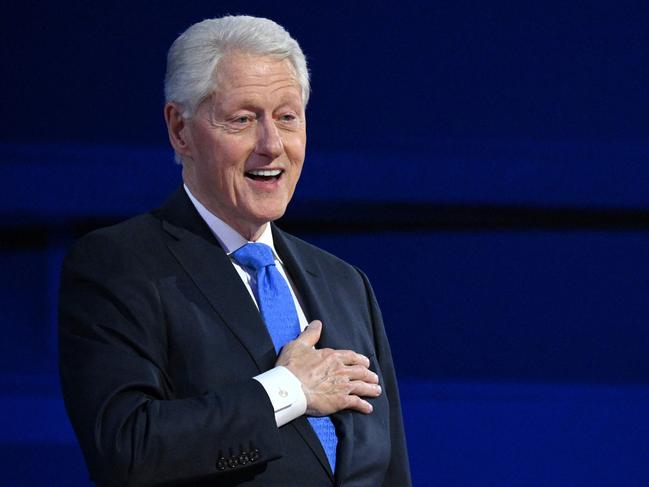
column 311, row 334
column 350, row 357
column 363, row 389
column 357, row 404
column 358, row 372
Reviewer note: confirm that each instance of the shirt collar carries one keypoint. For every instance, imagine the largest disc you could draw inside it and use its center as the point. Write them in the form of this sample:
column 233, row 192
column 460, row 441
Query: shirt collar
column 227, row 236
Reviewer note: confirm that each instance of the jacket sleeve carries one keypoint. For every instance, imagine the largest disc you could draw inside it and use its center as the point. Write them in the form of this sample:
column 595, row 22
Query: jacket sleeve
column 398, row 472
column 131, row 427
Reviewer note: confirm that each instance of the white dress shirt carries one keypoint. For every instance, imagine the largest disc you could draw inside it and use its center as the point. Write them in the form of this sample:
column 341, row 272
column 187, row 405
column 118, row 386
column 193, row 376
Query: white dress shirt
column 281, row 385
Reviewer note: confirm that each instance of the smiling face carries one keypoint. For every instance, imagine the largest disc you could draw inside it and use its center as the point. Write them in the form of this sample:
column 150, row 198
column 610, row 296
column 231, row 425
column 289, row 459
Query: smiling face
column 244, row 147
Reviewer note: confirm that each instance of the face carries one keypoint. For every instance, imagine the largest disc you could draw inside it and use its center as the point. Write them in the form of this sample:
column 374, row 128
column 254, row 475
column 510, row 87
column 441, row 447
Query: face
column 243, row 149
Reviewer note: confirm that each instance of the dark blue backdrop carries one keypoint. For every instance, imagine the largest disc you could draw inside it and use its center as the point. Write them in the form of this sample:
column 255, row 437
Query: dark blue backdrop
column 485, row 162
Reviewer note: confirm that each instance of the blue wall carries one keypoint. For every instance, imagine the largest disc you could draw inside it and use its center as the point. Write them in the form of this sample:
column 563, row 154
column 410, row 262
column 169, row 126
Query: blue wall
column 486, row 164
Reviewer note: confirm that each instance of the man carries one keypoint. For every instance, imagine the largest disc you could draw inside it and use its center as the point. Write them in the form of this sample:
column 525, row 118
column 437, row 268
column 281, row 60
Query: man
column 187, row 356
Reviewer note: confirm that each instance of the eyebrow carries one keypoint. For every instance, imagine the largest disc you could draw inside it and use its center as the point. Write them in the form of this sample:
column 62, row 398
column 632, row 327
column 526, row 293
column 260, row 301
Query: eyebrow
column 252, row 104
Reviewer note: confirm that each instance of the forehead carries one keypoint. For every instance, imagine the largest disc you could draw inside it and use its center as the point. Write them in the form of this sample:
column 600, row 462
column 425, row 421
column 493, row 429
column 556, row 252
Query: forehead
column 239, row 72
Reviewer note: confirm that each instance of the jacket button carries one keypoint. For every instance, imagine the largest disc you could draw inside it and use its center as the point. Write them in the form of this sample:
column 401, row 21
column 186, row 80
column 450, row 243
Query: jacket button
column 221, row 464
column 254, row 455
column 243, row 458
column 233, row 462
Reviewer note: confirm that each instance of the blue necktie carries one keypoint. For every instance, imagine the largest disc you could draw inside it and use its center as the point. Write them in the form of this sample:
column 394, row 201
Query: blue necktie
column 278, row 311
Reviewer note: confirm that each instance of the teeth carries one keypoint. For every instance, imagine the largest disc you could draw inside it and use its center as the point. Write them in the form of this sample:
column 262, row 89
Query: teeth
column 265, row 172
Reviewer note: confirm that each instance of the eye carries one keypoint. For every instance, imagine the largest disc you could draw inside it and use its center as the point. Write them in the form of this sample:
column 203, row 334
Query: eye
column 242, row 120
column 288, row 120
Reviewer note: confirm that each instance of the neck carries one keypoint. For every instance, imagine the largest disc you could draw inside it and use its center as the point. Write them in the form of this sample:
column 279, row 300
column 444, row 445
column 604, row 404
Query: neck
column 251, row 234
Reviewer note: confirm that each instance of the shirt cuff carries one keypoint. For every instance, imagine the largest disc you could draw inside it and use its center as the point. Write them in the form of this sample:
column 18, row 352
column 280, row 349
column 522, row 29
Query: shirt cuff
column 285, row 393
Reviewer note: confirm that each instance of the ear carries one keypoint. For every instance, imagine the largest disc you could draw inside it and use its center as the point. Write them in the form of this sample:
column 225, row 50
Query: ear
column 177, row 129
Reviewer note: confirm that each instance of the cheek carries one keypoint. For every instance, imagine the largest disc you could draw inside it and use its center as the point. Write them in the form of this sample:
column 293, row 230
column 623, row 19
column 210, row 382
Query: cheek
column 235, row 151
column 295, row 147
column 217, row 147
column 224, row 160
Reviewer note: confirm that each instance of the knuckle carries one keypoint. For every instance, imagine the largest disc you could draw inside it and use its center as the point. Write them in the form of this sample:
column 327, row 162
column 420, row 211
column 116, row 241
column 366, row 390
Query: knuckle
column 356, row 387
column 353, row 401
column 345, row 354
column 359, row 373
column 337, row 363
column 328, row 353
column 342, row 402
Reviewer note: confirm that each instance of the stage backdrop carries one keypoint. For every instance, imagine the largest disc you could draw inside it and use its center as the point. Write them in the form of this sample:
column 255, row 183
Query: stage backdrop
column 486, row 163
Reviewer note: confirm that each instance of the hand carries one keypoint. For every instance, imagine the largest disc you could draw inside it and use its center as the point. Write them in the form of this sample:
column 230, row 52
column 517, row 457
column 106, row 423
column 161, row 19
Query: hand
column 332, row 380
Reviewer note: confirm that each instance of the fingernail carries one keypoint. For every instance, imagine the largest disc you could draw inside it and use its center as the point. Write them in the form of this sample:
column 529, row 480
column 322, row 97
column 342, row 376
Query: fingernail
column 378, row 389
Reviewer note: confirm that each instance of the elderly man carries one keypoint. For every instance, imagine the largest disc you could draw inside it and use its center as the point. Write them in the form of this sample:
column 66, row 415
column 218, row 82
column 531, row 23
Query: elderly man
column 200, row 344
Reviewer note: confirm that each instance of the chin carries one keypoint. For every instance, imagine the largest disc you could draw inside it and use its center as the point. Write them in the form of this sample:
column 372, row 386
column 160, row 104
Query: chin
column 268, row 212
column 270, row 217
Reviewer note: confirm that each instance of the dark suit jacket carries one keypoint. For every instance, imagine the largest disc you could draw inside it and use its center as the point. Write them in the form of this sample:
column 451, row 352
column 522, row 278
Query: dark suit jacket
column 159, row 341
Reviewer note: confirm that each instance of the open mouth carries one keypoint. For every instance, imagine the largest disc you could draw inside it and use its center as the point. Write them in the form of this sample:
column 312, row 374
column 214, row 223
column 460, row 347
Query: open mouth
column 265, row 174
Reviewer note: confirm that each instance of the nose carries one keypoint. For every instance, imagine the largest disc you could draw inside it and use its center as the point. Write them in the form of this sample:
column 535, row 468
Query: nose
column 269, row 141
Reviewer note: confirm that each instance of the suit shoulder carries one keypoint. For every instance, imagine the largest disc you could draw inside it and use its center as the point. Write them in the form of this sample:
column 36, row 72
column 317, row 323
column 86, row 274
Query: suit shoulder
column 132, row 230
column 126, row 230
column 137, row 235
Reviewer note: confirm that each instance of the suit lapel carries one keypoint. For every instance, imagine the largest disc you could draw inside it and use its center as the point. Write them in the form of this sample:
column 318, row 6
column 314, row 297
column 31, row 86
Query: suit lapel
column 320, row 304
column 207, row 264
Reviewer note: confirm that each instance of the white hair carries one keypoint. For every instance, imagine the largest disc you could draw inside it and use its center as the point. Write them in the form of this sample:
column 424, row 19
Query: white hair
column 193, row 58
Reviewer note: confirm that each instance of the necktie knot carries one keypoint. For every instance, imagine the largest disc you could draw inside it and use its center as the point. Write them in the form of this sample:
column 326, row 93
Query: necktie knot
column 254, row 256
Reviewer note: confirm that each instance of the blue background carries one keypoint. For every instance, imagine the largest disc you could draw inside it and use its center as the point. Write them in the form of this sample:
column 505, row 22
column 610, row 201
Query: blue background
column 486, row 163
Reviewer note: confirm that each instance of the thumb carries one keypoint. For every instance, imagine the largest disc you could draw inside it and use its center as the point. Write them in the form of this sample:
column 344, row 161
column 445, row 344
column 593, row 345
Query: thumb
column 311, row 333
